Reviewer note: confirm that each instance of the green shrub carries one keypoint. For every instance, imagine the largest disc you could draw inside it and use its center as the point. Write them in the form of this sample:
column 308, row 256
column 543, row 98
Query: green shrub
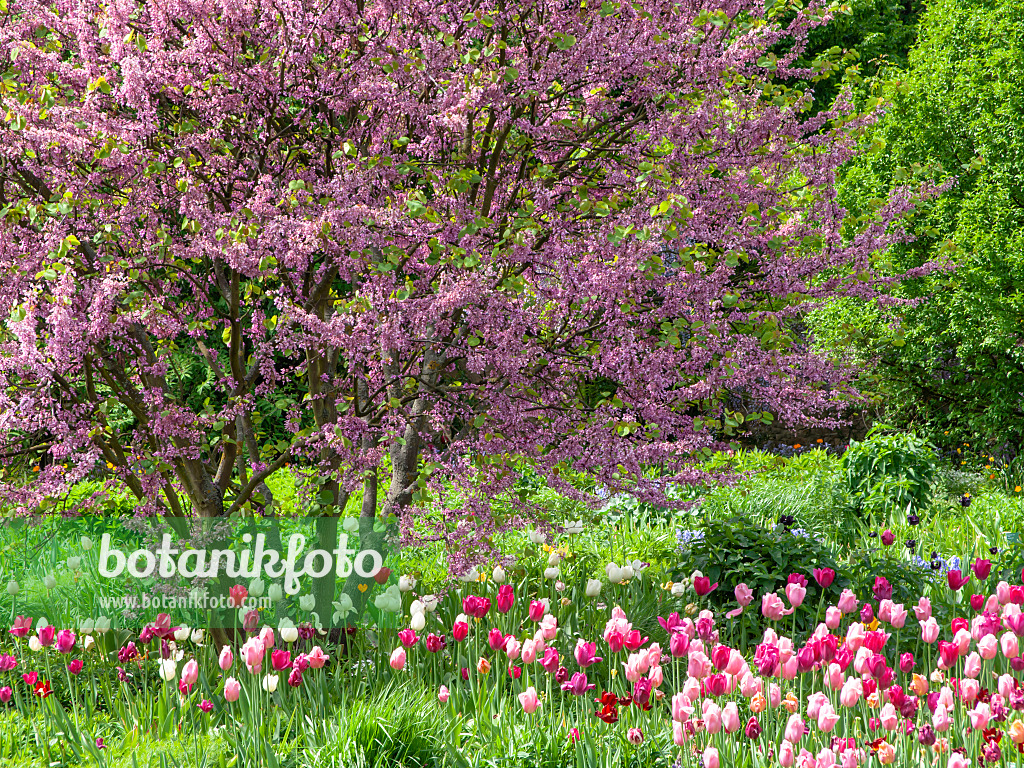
column 889, row 473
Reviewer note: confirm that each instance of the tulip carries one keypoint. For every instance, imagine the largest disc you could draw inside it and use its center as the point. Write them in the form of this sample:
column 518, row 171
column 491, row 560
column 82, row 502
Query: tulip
column 280, row 659
column 586, row 653
column 710, row 758
column 289, row 634
column 988, row 647
column 190, row 672
column 824, row 577
column 529, row 700
column 702, row 585
column 506, row 598
column 956, row 760
column 956, row 580
column 981, row 569
column 744, row 595
column 888, row 537
column 46, row 635
column 270, row 683
column 929, row 630
column 923, row 609
column 537, row 610
column 827, row 718
column 886, row 753
column 460, row 630
column 398, row 658
column 712, row 717
column 1016, row 732
column 794, row 728
column 786, row 757
column 316, row 657
column 442, row 694
column 795, row 594
column 65, row 641
column 731, row 717
column 1010, row 645
column 232, row 689
column 882, row 588
column 772, row 607
column 483, row 666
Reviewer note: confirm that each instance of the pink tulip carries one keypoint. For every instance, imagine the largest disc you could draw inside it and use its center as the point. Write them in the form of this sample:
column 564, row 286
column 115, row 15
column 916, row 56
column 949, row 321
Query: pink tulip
column 827, row 718
column 786, row 756
column 794, row 728
column 888, row 717
column 772, row 607
column 45, row 635
column 226, row 658
column 1003, row 592
column 988, row 647
column 835, row 676
column 537, row 610
column 443, row 693
column 529, row 700
column 833, row 617
column 744, row 594
column 317, row 658
column 956, row 760
column 190, row 672
column 979, row 716
column 731, row 718
column 850, row 693
column 962, row 639
column 898, row 617
column 710, row 758
column 795, row 594
column 940, row 720
column 253, row 652
column 969, row 689
column 972, row 665
column 65, row 641
column 826, row 758
column 855, row 637
column 529, row 651
column 1006, row 685
column 678, row 734
column 847, row 601
column 232, row 689
column 657, row 677
column 1010, row 645
column 929, row 630
column 691, row 689
column 712, row 717
column 398, row 658
column 814, row 704
column 549, row 627
column 923, row 609
column 750, row 685
column 267, row 637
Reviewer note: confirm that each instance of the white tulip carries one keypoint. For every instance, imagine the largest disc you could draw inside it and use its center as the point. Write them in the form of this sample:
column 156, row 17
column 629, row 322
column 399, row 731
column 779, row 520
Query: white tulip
column 554, row 559
column 418, row 622
column 559, row 586
column 49, row 581
column 88, row 643
column 289, row 634
column 471, row 575
column 34, row 644
column 42, row 622
column 13, row 588
column 257, row 588
column 270, row 683
column 87, row 627
column 593, row 588
column 181, row 634
column 406, row 584
column 275, row 593
column 86, row 543
column 498, row 575
column 351, row 525
column 307, row 602
column 639, row 566
column 417, row 607
column 102, row 625
column 614, row 573
column 198, row 635
column 627, row 572
column 430, row 602
column 74, row 563
column 678, row 589
column 552, row 573
column 537, row 537
column 168, row 670
column 576, row 526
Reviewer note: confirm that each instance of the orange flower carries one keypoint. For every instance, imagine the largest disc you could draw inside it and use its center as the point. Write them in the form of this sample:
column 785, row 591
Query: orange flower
column 1016, row 731
column 483, row 666
column 873, row 699
column 791, row 703
column 920, row 685
column 758, row 703
column 941, row 746
column 886, row 753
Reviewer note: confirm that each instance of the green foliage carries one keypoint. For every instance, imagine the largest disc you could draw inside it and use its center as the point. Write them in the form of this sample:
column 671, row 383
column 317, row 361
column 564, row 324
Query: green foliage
column 951, row 365
column 736, row 550
column 890, row 473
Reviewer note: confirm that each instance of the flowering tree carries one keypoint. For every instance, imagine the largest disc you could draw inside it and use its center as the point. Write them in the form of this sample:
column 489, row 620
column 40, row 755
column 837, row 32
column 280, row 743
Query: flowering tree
column 428, row 238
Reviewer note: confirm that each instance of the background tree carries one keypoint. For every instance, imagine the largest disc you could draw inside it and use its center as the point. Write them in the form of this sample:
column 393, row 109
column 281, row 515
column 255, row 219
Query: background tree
column 954, row 364
column 411, row 231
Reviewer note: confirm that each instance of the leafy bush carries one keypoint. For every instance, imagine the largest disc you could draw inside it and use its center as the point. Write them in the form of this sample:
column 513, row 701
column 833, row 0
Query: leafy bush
column 888, row 472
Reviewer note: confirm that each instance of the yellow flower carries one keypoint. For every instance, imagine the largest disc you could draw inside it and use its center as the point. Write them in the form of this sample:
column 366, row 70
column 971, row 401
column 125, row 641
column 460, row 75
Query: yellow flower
column 109, row 465
column 872, row 626
column 614, row 672
column 1017, row 489
column 35, row 469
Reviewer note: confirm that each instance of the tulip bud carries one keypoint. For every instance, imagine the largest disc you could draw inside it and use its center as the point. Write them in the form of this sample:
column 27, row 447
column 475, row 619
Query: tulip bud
column 498, row 575
column 593, row 588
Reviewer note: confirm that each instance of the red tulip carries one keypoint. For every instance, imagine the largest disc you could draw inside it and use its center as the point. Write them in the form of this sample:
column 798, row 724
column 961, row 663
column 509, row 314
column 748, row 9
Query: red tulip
column 824, row 577
column 982, row 568
column 460, row 631
column 956, row 580
column 506, row 598
column 237, row 595
column 702, row 585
